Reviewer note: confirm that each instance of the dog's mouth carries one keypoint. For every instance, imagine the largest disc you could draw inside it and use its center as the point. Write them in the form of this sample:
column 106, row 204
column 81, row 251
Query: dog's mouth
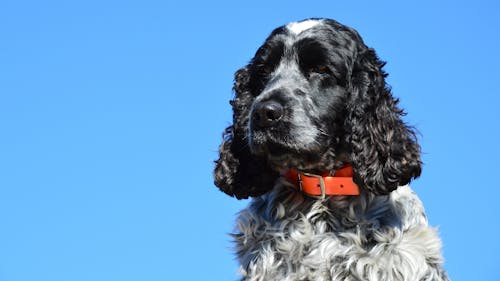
column 283, row 153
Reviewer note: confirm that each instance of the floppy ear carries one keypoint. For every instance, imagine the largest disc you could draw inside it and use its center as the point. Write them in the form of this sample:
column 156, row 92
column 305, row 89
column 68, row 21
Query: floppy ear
column 384, row 150
column 238, row 172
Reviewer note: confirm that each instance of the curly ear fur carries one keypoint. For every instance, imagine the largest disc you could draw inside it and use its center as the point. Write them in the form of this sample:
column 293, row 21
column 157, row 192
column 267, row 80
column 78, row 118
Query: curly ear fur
column 384, row 150
column 237, row 172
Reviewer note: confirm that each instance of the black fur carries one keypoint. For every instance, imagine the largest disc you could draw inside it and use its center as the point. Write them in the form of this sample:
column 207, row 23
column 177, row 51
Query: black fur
column 337, row 109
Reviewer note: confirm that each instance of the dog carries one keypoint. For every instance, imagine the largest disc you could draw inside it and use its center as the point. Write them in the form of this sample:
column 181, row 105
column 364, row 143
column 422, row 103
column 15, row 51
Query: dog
column 319, row 143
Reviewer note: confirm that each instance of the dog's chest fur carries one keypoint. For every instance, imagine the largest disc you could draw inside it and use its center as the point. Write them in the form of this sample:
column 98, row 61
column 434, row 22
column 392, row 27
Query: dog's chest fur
column 285, row 236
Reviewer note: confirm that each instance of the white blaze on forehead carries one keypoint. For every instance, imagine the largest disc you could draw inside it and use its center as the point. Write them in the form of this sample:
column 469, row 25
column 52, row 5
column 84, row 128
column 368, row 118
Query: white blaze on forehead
column 298, row 27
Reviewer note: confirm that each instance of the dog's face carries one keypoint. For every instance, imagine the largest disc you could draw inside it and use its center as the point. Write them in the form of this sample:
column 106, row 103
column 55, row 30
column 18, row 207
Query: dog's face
column 299, row 78
column 313, row 98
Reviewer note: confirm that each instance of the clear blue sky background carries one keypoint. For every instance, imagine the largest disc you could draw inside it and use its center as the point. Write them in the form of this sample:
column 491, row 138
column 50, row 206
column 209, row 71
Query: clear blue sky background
column 111, row 113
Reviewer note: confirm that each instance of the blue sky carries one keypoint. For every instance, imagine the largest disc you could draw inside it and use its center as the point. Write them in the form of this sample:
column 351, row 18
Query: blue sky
column 111, row 113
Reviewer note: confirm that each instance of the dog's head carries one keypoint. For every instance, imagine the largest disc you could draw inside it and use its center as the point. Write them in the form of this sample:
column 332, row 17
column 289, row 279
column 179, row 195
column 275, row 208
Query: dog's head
column 313, row 98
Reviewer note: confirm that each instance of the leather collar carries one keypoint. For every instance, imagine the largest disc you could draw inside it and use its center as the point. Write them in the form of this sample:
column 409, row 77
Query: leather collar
column 340, row 183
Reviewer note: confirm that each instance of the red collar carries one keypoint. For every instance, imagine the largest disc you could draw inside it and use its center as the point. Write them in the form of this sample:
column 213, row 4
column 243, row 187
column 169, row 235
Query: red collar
column 340, row 183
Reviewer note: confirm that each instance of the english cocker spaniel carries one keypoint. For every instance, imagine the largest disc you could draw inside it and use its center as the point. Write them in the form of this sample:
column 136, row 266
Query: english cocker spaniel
column 318, row 142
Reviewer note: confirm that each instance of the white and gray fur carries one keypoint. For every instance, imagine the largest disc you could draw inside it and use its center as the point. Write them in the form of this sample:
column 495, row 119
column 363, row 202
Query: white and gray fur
column 283, row 235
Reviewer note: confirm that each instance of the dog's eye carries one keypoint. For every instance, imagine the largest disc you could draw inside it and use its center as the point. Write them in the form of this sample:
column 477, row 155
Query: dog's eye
column 320, row 69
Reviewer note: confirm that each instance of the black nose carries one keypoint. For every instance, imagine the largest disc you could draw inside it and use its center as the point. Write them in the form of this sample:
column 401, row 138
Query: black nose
column 268, row 113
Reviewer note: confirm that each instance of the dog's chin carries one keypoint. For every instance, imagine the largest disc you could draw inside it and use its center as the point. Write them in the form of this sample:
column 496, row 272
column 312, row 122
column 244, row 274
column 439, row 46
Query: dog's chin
column 285, row 156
